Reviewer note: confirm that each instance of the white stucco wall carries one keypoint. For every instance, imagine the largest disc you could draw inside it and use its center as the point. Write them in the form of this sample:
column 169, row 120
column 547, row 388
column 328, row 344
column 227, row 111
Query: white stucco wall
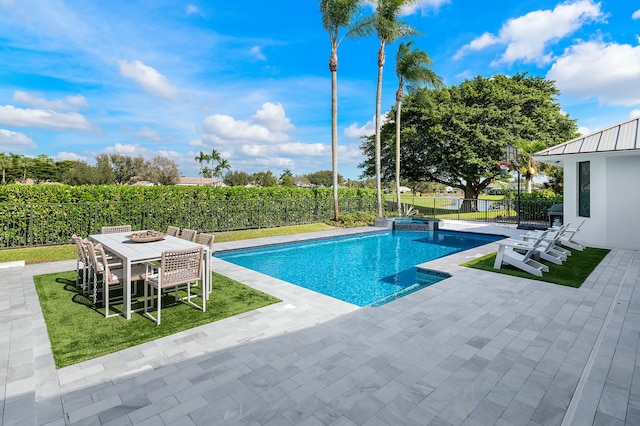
column 615, row 200
column 623, row 202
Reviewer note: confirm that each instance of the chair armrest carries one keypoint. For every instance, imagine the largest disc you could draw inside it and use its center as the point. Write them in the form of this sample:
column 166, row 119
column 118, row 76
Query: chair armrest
column 517, row 244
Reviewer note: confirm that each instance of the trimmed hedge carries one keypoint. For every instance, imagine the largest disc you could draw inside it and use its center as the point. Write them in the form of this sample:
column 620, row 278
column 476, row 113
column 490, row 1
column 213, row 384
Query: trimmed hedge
column 50, row 214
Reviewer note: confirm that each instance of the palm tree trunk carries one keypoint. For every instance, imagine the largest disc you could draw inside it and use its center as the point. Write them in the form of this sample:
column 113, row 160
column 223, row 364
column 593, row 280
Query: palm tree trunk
column 398, row 109
column 378, row 125
column 334, row 138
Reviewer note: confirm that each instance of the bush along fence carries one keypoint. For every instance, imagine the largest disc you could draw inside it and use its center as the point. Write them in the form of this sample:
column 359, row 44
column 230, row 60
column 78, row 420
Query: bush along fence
column 38, row 224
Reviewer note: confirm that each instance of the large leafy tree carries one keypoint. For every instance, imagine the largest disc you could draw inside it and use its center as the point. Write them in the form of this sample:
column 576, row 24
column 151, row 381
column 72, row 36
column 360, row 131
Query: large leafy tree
column 336, row 16
column 386, row 24
column 162, row 171
column 413, row 67
column 456, row 136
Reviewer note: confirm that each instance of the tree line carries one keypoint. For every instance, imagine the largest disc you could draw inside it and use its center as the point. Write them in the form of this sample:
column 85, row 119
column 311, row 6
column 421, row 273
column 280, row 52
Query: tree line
column 109, row 169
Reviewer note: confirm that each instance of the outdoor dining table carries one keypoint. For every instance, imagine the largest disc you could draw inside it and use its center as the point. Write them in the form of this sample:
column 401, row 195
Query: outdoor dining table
column 131, row 252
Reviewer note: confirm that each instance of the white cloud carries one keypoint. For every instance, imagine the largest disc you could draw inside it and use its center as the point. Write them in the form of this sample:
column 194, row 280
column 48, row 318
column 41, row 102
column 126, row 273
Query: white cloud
column 527, row 37
column 634, row 113
column 609, row 72
column 422, row 6
column 636, row 14
column 584, row 130
column 127, row 149
column 44, row 119
column 70, row 103
column 273, row 117
column 485, row 40
column 14, row 141
column 61, row 156
column 368, row 129
column 256, row 52
column 149, row 80
column 192, row 9
column 149, row 134
column 304, row 149
column 266, row 126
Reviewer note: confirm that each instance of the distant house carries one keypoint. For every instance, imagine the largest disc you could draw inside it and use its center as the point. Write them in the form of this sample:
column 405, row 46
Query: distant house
column 601, row 172
column 195, row 181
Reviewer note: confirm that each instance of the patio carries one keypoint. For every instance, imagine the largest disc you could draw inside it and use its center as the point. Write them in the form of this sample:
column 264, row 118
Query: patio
column 477, row 348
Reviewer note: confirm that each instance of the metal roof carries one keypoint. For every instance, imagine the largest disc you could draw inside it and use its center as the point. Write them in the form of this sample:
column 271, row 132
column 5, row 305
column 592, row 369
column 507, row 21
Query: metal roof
column 620, row 137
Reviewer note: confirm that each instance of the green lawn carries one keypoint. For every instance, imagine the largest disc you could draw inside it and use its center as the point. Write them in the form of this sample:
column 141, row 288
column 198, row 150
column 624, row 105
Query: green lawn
column 571, row 273
column 79, row 332
column 33, row 255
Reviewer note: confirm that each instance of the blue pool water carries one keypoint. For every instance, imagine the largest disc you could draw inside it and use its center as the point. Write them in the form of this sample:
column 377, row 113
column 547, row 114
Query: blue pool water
column 368, row 269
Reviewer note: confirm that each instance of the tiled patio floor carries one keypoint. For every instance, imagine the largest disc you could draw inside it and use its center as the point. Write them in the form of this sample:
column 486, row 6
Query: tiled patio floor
column 478, row 348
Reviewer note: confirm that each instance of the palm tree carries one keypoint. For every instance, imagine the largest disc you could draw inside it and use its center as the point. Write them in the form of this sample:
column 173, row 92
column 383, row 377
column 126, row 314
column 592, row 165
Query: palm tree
column 336, row 14
column 221, row 167
column 202, row 158
column 386, row 25
column 412, row 67
column 214, row 157
column 5, row 163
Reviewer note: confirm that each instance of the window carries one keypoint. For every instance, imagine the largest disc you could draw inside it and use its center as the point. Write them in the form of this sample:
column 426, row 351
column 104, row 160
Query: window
column 584, row 189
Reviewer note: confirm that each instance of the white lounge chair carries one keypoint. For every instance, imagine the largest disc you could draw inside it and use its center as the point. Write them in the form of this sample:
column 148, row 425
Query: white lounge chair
column 521, row 259
column 566, row 237
column 549, row 247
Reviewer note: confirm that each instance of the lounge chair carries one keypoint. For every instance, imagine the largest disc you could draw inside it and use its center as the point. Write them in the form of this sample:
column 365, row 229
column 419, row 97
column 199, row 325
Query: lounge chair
column 522, row 258
column 566, row 237
column 549, row 248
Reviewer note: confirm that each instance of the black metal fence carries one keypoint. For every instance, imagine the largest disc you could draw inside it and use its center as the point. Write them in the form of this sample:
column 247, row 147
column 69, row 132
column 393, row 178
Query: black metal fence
column 532, row 213
column 25, row 225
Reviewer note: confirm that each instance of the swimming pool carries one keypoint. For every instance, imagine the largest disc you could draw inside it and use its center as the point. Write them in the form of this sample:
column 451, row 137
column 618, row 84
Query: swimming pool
column 365, row 270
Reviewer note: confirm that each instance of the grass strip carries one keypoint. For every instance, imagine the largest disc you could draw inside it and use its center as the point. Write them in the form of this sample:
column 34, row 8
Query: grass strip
column 571, row 273
column 79, row 332
column 32, row 255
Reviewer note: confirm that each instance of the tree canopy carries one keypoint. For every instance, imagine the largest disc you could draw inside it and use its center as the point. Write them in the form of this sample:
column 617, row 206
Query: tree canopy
column 456, row 136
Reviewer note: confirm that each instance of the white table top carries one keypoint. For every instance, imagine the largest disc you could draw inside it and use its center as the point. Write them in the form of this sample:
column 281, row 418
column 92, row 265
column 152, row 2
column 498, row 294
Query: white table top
column 126, row 249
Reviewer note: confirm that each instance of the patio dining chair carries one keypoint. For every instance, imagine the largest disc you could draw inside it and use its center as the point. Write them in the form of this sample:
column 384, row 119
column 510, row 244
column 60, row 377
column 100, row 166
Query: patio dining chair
column 177, row 268
column 205, row 239
column 115, row 229
column 111, row 277
column 518, row 254
column 82, row 263
column 189, row 235
column 173, row 231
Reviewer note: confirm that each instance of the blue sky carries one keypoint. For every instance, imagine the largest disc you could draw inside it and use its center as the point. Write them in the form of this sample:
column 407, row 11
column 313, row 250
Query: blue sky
column 250, row 78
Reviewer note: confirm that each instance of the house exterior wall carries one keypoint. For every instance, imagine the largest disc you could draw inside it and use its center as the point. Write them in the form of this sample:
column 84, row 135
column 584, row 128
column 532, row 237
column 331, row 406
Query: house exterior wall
column 615, row 202
column 623, row 202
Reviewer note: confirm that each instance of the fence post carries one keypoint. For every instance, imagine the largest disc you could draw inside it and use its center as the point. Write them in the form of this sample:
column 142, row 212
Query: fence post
column 30, row 224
